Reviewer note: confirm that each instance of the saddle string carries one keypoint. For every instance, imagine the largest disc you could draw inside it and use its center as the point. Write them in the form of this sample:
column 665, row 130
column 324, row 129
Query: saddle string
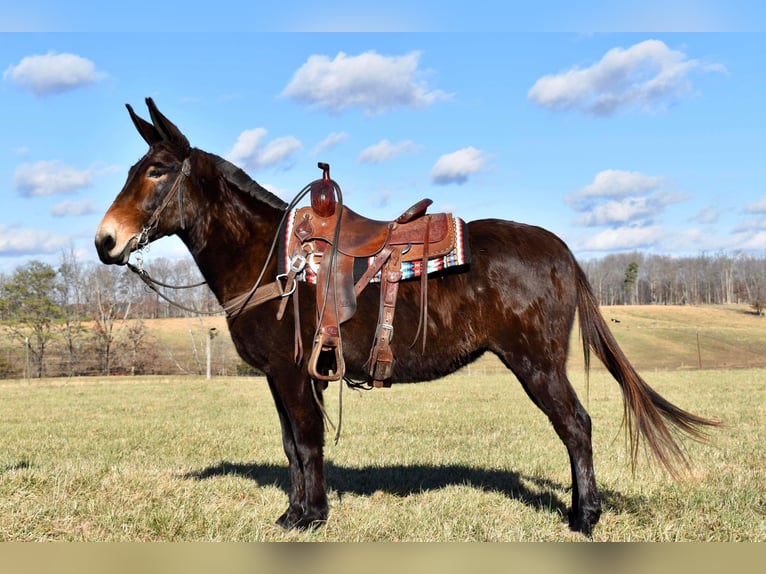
column 423, row 315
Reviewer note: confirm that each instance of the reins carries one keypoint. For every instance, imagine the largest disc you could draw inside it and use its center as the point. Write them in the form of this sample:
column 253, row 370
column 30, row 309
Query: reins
column 255, row 296
column 258, row 293
column 142, row 240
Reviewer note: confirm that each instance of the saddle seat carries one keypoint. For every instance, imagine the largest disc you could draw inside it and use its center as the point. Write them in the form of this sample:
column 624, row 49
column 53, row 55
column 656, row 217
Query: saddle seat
column 336, row 236
column 363, row 237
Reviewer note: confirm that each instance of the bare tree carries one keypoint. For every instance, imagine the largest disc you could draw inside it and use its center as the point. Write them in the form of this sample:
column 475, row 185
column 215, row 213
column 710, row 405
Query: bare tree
column 661, row 279
column 109, row 306
column 141, row 353
column 73, row 306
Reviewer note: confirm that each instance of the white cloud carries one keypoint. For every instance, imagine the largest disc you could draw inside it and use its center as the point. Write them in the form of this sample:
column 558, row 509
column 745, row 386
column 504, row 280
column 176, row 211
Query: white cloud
column 648, row 75
column 332, row 140
column 618, row 212
column 619, row 183
column 617, row 197
column 384, row 150
column 281, row 192
column 277, row 151
column 52, row 73
column 70, row 208
column 751, row 224
column 707, row 215
column 20, row 241
column 692, row 240
column 629, row 209
column 369, row 81
column 623, row 238
column 249, row 153
column 757, row 242
column 49, row 178
column 457, row 166
column 246, row 146
column 757, row 207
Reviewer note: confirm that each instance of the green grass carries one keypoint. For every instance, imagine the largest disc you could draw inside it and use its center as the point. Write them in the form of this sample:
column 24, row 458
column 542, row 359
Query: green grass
column 464, row 458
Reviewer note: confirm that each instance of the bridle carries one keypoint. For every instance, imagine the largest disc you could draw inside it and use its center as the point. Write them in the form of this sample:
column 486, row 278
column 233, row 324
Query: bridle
column 256, row 295
column 142, row 239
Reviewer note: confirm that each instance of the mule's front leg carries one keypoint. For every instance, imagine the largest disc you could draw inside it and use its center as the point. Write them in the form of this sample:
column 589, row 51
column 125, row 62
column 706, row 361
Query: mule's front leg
column 303, row 442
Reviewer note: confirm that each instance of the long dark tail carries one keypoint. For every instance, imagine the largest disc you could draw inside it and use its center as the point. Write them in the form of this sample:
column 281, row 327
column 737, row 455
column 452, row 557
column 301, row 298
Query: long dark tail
column 647, row 414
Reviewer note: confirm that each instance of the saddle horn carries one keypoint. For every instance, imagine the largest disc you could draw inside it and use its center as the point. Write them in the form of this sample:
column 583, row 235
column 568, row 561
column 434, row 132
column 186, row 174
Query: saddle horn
column 323, row 192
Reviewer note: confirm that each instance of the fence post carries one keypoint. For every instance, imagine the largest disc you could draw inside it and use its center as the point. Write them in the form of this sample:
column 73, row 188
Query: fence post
column 210, row 334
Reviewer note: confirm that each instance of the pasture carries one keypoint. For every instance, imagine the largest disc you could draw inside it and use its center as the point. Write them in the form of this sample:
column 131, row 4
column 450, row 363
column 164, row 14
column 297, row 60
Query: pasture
column 654, row 338
column 465, row 458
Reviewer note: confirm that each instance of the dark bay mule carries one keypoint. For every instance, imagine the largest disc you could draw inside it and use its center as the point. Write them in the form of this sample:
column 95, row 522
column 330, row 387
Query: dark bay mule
column 518, row 300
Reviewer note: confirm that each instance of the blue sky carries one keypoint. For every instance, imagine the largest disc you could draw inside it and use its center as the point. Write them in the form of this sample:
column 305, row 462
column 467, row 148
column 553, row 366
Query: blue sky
column 648, row 141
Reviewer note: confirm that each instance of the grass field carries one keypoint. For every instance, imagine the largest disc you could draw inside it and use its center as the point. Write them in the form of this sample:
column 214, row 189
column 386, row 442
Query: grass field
column 464, row 458
column 179, row 458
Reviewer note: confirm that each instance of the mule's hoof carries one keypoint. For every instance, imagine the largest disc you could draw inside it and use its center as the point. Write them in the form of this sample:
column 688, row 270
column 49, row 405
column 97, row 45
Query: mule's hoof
column 293, row 521
column 288, row 519
column 584, row 523
column 583, row 528
column 307, row 523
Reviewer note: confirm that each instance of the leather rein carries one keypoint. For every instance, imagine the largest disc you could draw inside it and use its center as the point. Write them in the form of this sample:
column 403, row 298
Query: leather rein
column 236, row 305
column 256, row 295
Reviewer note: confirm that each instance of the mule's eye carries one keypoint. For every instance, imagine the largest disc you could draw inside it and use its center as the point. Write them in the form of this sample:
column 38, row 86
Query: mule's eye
column 155, row 172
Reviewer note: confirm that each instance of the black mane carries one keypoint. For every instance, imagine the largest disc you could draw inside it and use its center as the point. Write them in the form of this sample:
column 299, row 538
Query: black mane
column 241, row 180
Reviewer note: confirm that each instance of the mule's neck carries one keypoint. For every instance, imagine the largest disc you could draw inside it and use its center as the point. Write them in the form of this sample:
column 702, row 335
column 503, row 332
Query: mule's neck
column 233, row 224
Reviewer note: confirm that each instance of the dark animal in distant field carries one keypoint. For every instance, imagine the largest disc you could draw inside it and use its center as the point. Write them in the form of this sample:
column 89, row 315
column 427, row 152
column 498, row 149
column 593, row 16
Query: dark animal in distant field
column 518, row 300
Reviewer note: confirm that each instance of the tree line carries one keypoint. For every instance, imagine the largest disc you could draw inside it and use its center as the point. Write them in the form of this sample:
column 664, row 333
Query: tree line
column 84, row 319
column 642, row 279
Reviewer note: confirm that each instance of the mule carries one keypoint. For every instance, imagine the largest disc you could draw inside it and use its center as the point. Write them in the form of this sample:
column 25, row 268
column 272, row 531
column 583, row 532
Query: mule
column 518, row 299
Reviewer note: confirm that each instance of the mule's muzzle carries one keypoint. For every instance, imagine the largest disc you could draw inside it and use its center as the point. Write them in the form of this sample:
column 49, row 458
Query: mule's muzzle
column 108, row 250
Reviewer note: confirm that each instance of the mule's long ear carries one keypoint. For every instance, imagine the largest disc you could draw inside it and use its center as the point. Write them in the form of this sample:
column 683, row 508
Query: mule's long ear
column 166, row 128
column 147, row 131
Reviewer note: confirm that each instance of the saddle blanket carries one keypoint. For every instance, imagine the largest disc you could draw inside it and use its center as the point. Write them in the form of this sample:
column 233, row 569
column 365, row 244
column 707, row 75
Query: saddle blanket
column 459, row 256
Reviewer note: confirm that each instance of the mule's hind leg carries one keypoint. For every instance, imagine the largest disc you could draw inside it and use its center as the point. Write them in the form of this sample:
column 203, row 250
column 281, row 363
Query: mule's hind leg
column 552, row 392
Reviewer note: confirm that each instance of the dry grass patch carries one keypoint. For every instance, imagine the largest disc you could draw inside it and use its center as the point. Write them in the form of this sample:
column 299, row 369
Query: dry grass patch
column 465, row 458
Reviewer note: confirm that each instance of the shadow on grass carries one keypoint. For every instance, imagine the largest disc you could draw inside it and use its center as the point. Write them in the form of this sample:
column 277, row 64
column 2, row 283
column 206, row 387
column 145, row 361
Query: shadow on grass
column 406, row 480
column 20, row 465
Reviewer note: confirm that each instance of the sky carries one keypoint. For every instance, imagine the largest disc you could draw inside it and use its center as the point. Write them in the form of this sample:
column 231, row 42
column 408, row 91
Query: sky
column 615, row 141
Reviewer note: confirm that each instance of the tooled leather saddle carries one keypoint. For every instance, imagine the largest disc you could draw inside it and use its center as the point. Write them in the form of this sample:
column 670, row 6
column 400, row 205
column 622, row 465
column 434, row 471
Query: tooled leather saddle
column 332, row 237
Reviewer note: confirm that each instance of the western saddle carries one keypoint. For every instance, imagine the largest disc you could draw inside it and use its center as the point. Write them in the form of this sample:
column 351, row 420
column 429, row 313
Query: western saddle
column 329, row 237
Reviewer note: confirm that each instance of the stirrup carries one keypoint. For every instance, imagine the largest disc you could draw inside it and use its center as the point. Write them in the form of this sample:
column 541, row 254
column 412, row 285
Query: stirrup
column 326, row 342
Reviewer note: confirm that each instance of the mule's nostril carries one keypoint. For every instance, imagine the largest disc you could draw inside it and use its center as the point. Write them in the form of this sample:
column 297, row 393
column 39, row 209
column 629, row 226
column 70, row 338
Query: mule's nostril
column 105, row 243
column 108, row 242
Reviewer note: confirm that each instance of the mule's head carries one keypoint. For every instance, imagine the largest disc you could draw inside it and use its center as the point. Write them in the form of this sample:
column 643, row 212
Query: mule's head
column 150, row 204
